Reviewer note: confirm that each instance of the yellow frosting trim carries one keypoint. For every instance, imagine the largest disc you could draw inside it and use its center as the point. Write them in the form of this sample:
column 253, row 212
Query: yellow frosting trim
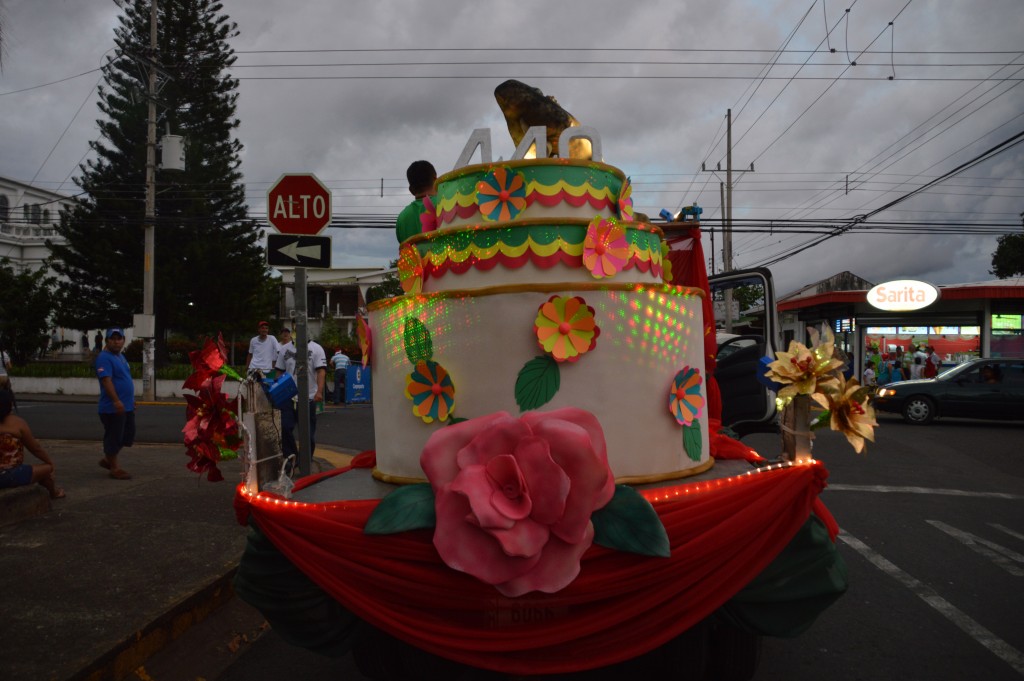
column 667, row 289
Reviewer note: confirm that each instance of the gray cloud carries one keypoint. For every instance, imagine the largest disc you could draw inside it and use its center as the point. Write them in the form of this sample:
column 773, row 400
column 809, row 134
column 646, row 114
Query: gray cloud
column 355, row 132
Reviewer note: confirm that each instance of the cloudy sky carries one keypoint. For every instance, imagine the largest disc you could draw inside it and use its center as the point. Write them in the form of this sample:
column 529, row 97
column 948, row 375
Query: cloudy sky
column 353, row 91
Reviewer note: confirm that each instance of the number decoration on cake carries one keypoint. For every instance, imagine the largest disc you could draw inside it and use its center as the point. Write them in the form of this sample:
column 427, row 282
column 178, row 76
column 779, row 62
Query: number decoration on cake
column 605, row 249
column 685, row 400
column 626, row 201
column 566, row 328
column 501, row 195
column 431, row 390
column 410, row 269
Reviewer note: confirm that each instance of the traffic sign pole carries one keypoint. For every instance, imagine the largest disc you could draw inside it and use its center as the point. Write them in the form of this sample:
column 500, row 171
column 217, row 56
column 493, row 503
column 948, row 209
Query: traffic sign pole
column 300, row 204
column 302, row 371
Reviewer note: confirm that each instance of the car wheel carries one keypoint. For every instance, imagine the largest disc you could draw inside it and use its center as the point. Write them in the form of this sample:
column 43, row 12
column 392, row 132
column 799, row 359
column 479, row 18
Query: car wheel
column 919, row 410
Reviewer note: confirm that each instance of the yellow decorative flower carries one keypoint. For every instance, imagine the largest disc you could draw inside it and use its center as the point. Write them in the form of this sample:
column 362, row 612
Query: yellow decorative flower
column 851, row 412
column 805, row 371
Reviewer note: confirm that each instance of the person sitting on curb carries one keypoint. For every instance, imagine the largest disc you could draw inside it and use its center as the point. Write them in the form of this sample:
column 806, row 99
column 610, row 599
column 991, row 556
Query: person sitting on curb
column 15, row 437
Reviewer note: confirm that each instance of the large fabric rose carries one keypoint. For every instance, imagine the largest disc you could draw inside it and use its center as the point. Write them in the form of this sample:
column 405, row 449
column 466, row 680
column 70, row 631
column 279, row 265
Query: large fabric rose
column 513, row 497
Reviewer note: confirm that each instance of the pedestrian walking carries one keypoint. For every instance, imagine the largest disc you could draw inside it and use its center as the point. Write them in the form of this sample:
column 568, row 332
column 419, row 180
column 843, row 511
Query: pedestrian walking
column 116, row 403
column 341, row 362
column 316, row 367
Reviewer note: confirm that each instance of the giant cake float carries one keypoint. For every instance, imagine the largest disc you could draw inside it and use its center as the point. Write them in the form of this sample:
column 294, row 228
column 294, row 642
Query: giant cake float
column 535, row 286
column 537, row 358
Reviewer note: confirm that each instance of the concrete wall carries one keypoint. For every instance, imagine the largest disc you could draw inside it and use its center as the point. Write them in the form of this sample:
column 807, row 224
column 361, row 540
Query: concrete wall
column 86, row 386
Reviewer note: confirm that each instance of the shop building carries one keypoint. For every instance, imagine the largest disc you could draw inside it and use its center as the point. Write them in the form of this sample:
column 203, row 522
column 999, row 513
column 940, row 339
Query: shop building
column 966, row 320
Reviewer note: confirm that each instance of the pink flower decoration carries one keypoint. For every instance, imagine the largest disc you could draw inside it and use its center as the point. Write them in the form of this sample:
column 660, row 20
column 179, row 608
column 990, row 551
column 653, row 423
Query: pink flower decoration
column 513, row 497
column 428, row 218
column 605, row 250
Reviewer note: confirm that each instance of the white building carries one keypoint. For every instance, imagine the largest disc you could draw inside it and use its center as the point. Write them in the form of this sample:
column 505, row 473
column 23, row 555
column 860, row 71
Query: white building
column 28, row 218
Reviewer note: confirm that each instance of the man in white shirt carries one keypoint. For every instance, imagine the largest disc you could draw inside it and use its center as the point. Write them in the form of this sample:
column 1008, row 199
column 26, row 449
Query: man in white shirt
column 316, row 367
column 263, row 350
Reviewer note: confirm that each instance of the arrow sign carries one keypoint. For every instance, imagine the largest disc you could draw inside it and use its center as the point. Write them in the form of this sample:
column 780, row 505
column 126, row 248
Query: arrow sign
column 293, row 250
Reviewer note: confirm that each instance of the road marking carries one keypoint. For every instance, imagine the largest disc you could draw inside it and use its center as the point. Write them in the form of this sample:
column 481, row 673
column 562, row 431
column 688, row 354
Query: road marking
column 923, row 490
column 1000, row 555
column 996, row 645
column 1007, row 530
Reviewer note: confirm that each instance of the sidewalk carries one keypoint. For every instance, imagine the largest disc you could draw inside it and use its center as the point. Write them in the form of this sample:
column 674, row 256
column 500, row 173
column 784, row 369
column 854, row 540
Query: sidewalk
column 118, row 569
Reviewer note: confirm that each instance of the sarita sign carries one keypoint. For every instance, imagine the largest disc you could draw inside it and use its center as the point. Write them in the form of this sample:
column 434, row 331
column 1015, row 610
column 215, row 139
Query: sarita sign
column 902, row 295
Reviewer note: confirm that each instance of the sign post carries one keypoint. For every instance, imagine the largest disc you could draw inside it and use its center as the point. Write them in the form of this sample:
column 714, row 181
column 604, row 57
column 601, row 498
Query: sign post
column 299, row 204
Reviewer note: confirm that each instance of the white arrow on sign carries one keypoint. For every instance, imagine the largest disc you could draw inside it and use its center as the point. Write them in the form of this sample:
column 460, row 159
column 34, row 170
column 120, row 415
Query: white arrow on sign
column 293, row 251
column 286, row 250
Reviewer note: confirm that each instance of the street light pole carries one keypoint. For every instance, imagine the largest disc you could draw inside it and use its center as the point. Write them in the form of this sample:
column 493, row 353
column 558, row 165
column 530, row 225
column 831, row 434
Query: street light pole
column 148, row 329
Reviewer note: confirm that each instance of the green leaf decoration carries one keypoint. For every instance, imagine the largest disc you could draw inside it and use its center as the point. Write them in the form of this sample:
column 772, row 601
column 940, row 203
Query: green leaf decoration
column 418, row 345
column 821, row 420
column 410, row 507
column 230, row 373
column 452, row 420
column 692, row 441
column 629, row 523
column 537, row 383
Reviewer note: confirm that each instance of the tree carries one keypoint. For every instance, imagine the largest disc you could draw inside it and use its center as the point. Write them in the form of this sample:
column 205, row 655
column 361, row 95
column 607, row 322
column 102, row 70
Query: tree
column 389, row 287
column 1008, row 258
column 210, row 271
column 26, row 309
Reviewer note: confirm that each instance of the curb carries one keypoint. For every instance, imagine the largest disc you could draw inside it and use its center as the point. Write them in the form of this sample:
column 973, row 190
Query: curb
column 130, row 654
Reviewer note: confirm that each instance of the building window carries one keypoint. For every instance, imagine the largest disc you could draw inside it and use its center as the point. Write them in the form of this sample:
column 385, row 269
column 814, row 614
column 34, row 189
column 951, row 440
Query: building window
column 37, row 214
column 5, row 208
column 46, row 216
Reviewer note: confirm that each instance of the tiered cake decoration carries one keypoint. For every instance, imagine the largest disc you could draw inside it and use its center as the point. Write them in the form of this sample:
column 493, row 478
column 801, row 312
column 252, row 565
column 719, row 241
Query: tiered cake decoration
column 535, row 287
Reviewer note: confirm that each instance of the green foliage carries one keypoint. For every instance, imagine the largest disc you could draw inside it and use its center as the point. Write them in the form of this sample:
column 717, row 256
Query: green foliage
column 389, row 288
column 629, row 523
column 26, row 309
column 410, row 507
column 537, row 382
column 209, row 267
column 1008, row 258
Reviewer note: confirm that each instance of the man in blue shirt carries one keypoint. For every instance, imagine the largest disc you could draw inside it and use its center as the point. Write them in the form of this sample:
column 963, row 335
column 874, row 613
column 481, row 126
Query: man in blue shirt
column 340, row 361
column 117, row 402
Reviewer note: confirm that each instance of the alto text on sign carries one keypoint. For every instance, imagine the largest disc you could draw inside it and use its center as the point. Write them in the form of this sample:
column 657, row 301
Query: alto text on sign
column 299, row 203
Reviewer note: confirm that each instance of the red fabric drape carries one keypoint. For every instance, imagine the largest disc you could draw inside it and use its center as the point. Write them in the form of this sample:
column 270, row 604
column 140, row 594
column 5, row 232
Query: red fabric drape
column 723, row 533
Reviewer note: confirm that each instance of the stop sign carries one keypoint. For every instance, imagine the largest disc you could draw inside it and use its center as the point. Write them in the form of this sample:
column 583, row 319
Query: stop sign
column 299, row 203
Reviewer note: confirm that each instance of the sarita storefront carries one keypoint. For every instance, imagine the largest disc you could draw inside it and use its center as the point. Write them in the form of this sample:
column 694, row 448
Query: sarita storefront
column 960, row 321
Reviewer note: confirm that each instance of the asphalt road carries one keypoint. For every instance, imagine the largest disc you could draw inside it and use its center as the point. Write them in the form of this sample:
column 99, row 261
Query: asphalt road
column 932, row 524
column 346, row 427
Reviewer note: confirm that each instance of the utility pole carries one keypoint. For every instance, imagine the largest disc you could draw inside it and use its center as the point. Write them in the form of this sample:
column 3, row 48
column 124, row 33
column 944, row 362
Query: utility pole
column 147, row 328
column 727, row 212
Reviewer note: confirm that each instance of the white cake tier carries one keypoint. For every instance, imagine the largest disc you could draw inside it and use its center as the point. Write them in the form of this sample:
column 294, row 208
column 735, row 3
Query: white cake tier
column 649, row 335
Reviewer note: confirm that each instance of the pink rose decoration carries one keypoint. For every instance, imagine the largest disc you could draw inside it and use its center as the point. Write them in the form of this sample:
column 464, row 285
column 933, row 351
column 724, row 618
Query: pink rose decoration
column 513, row 497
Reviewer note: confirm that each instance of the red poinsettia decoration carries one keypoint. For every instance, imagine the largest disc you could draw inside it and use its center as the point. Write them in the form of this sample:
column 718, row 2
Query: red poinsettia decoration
column 211, row 427
column 208, row 362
